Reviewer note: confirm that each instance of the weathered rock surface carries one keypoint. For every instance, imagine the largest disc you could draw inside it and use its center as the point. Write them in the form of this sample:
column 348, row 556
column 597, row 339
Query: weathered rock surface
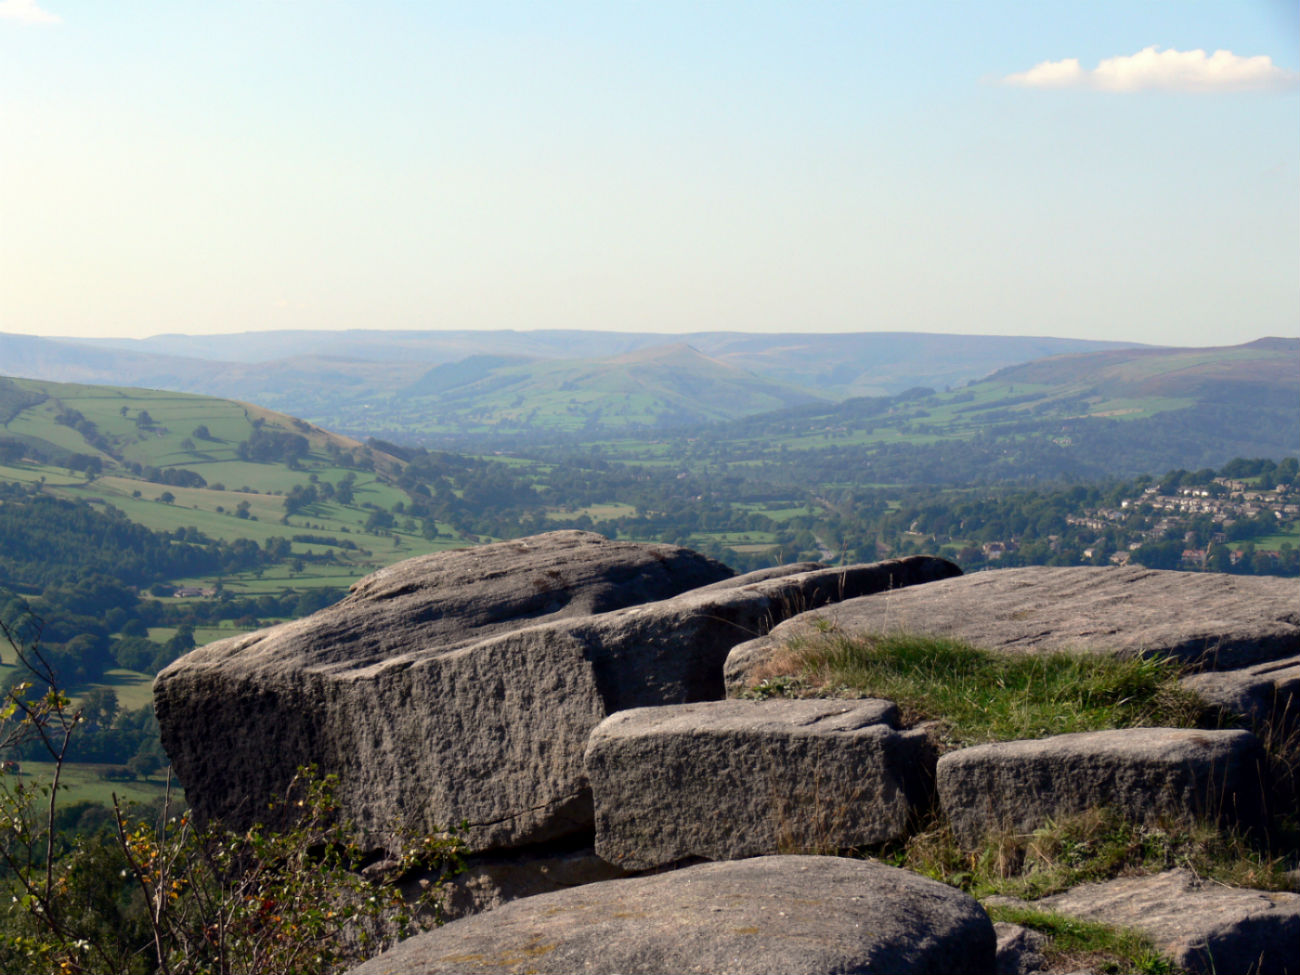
column 1202, row 926
column 1142, row 773
column 1267, row 693
column 782, row 914
column 463, row 686
column 729, row 779
column 1020, row 950
column 1211, row 621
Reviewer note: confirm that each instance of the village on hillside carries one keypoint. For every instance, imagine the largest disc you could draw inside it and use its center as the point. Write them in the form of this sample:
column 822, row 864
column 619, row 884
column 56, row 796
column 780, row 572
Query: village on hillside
column 1225, row 525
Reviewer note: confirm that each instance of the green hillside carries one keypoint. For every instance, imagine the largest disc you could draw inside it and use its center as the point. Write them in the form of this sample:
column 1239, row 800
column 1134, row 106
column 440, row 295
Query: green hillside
column 655, row 388
column 173, row 461
column 1090, row 415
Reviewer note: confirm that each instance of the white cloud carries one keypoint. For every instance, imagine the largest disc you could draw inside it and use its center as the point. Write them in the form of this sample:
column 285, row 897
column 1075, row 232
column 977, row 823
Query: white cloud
column 1167, row 70
column 1050, row 74
column 26, row 11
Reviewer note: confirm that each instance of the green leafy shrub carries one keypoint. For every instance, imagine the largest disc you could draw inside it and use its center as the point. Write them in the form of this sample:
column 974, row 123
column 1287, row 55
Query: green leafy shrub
column 166, row 894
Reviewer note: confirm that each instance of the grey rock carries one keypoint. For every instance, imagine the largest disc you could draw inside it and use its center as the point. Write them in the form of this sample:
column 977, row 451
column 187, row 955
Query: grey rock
column 782, row 914
column 1144, row 774
column 1206, row 620
column 1020, row 950
column 761, row 575
column 728, row 779
column 1265, row 694
column 1200, row 925
column 490, row 881
column 463, row 686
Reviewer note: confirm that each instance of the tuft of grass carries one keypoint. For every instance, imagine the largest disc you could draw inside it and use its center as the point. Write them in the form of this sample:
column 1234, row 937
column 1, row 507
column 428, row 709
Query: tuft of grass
column 1091, row 847
column 979, row 696
column 1074, row 944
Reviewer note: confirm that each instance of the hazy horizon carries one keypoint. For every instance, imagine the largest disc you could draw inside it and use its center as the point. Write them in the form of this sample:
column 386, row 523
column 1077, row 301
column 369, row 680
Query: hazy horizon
column 1081, row 170
column 665, row 334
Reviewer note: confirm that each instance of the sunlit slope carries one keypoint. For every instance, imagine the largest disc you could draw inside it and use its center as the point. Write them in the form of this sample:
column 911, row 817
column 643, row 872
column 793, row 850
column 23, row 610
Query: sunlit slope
column 1264, row 371
column 153, row 427
column 1079, row 415
column 173, row 461
column 657, row 387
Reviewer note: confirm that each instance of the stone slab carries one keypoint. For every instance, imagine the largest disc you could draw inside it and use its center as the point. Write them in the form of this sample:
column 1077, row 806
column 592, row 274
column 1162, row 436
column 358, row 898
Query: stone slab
column 1144, row 774
column 782, row 914
column 728, row 779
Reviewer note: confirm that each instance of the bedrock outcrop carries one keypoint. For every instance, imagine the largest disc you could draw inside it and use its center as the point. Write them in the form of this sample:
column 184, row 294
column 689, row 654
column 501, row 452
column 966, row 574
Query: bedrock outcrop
column 461, row 687
column 786, row 914
column 1206, row 621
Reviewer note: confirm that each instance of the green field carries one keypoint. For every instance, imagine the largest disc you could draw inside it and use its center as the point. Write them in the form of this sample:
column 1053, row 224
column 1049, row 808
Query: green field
column 1273, row 542
column 85, row 783
column 596, row 512
column 134, row 690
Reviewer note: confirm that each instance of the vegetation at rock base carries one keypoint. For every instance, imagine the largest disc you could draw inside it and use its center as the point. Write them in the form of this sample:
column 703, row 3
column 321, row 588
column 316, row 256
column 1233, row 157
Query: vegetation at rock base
column 975, row 696
column 1094, row 846
column 1075, row 945
column 153, row 891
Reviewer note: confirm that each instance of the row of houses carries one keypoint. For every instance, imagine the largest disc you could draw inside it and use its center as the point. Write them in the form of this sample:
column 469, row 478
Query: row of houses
column 1232, row 501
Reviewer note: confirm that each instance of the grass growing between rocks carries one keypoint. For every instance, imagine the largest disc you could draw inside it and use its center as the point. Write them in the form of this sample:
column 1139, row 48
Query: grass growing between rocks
column 978, row 696
column 1092, row 847
column 1075, row 945
column 974, row 696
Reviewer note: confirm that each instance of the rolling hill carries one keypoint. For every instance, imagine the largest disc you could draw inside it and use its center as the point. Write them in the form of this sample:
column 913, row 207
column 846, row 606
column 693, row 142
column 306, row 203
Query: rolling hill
column 172, row 461
column 651, row 388
column 613, row 381
column 1092, row 415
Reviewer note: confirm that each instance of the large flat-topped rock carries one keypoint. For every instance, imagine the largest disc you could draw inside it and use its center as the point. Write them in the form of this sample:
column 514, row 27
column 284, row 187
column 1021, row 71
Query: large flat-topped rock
column 1208, row 620
column 434, row 711
column 437, row 603
column 782, row 914
column 1144, row 774
column 729, row 779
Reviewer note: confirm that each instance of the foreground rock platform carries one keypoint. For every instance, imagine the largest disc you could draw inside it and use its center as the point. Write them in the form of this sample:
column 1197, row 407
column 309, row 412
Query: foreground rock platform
column 462, row 686
column 724, row 780
column 1144, row 774
column 1200, row 925
column 1205, row 620
column 781, row 914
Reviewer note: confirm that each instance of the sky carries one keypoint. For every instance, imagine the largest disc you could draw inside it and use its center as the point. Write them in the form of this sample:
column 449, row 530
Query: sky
column 1113, row 170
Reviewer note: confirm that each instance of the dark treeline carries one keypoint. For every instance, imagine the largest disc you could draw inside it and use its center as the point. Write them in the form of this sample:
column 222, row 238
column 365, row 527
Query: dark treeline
column 87, row 575
column 46, row 541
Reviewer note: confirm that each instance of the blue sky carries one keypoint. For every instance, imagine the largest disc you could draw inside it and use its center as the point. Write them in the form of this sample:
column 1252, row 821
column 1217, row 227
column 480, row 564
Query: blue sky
column 1074, row 169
